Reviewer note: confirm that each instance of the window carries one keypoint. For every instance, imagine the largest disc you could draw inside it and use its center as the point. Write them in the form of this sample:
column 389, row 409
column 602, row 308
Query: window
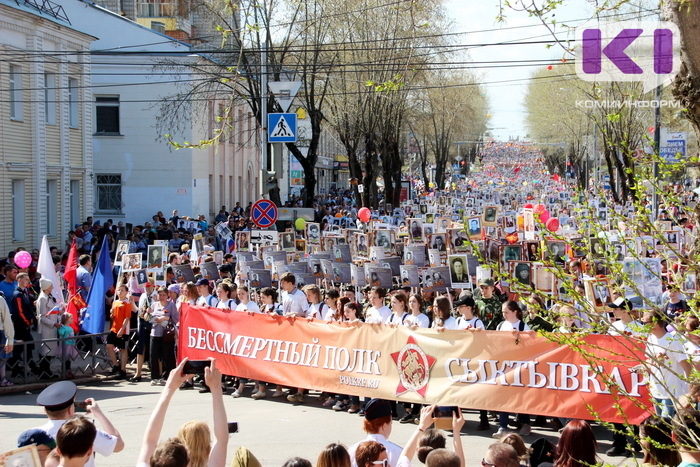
column 107, row 115
column 158, row 26
column 18, row 211
column 16, row 93
column 51, row 208
column 109, row 193
column 73, row 102
column 75, row 217
column 50, row 98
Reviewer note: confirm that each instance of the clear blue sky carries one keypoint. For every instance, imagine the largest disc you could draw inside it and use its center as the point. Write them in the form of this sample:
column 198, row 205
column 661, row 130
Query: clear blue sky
column 506, row 99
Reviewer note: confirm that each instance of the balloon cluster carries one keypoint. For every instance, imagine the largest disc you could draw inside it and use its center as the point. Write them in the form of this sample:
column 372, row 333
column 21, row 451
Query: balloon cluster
column 540, row 211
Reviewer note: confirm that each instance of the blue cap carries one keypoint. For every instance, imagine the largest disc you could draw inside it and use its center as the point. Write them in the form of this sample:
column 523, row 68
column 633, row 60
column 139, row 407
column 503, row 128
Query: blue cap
column 35, row 436
column 58, row 396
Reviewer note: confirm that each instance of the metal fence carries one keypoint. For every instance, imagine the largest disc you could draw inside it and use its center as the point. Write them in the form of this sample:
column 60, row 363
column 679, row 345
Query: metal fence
column 49, row 359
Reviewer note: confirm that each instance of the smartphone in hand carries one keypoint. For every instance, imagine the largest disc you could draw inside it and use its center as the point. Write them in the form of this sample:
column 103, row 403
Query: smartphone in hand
column 196, row 367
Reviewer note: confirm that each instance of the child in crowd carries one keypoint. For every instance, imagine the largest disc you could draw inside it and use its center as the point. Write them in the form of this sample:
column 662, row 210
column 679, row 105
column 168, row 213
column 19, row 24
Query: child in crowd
column 67, row 349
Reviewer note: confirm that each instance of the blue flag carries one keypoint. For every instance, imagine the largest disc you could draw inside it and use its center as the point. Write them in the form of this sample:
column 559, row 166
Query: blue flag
column 94, row 317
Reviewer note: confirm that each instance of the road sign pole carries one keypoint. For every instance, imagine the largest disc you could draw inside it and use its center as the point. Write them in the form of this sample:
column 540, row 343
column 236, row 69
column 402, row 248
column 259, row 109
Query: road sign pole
column 263, row 112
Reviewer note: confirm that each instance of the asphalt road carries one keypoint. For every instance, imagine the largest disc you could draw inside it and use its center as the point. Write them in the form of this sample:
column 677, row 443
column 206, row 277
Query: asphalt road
column 273, row 429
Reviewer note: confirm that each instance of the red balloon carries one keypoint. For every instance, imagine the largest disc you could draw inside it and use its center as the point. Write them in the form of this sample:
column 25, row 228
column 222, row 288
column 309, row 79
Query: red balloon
column 528, row 206
column 364, row 214
column 544, row 216
column 552, row 224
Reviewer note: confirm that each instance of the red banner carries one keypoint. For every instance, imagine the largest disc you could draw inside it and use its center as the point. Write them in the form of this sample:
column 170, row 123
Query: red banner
column 588, row 378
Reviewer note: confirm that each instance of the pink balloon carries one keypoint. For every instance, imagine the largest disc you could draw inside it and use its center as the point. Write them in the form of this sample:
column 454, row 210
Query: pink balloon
column 540, row 208
column 364, row 214
column 544, row 216
column 552, row 224
column 23, row 259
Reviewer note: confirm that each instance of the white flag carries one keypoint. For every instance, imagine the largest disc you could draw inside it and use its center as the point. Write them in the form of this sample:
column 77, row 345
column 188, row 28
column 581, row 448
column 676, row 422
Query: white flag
column 46, row 268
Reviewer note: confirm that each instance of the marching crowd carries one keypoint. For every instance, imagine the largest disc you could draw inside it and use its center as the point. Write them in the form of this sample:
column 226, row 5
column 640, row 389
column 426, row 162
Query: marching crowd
column 143, row 323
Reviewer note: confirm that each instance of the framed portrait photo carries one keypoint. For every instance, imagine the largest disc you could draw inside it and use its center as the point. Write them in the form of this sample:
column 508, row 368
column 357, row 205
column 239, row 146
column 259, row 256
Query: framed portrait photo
column 491, row 216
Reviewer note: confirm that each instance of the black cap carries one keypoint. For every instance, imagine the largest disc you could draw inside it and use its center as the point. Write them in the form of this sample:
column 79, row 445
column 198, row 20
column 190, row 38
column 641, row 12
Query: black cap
column 466, row 300
column 377, row 408
column 621, row 303
column 203, row 281
column 58, row 396
column 35, row 436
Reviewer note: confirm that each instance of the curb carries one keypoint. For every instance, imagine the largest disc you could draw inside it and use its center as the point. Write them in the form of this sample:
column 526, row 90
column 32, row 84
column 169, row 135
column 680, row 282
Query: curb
column 29, row 387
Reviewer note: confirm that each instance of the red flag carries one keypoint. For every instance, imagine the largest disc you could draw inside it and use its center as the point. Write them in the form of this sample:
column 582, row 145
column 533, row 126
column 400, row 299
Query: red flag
column 556, row 177
column 70, row 275
column 517, row 169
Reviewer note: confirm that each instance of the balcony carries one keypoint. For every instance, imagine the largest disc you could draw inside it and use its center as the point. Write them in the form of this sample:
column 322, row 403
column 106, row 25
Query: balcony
column 156, row 10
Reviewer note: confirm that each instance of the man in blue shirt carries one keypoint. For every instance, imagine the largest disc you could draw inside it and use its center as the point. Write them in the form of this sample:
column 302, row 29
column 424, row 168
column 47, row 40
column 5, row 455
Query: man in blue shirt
column 9, row 284
column 84, row 276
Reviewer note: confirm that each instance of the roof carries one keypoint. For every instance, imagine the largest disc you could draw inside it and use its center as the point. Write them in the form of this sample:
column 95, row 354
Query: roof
column 46, row 9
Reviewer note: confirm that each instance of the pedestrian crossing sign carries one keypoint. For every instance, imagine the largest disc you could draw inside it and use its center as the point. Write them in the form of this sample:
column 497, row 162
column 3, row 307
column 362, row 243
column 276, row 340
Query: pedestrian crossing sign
column 282, row 128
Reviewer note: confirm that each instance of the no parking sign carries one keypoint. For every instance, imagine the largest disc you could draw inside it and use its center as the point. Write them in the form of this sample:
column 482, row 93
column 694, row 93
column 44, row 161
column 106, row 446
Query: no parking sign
column 264, row 213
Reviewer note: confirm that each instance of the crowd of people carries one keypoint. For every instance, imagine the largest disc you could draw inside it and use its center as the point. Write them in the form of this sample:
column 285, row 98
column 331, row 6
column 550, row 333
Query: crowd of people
column 71, row 439
column 516, row 274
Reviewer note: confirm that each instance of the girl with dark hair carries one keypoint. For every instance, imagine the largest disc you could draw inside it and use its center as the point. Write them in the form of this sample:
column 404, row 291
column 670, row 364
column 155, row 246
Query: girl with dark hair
column 577, row 446
column 417, row 319
column 656, row 442
column 339, row 306
column 270, row 306
column 442, row 315
column 513, row 322
column 513, row 315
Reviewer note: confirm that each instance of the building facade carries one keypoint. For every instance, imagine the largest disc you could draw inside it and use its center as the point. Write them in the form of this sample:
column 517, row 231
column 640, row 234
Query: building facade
column 45, row 123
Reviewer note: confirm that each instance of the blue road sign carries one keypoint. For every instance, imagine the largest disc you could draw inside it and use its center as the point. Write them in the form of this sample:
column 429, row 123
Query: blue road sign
column 282, row 128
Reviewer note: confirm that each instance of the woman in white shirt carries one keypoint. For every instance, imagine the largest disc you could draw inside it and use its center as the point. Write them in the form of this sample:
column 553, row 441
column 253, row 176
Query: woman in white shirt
column 399, row 313
column 417, row 319
column 246, row 304
column 270, row 306
column 331, row 313
column 442, row 312
column 223, row 292
column 469, row 319
column 317, row 308
column 513, row 315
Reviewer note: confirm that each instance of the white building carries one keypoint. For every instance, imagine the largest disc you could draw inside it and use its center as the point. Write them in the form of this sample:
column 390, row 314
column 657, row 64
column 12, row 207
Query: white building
column 136, row 172
column 45, row 122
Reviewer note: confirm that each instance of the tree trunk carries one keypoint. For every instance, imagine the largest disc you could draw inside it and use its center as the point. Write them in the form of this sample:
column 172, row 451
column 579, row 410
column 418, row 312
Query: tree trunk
column 687, row 83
